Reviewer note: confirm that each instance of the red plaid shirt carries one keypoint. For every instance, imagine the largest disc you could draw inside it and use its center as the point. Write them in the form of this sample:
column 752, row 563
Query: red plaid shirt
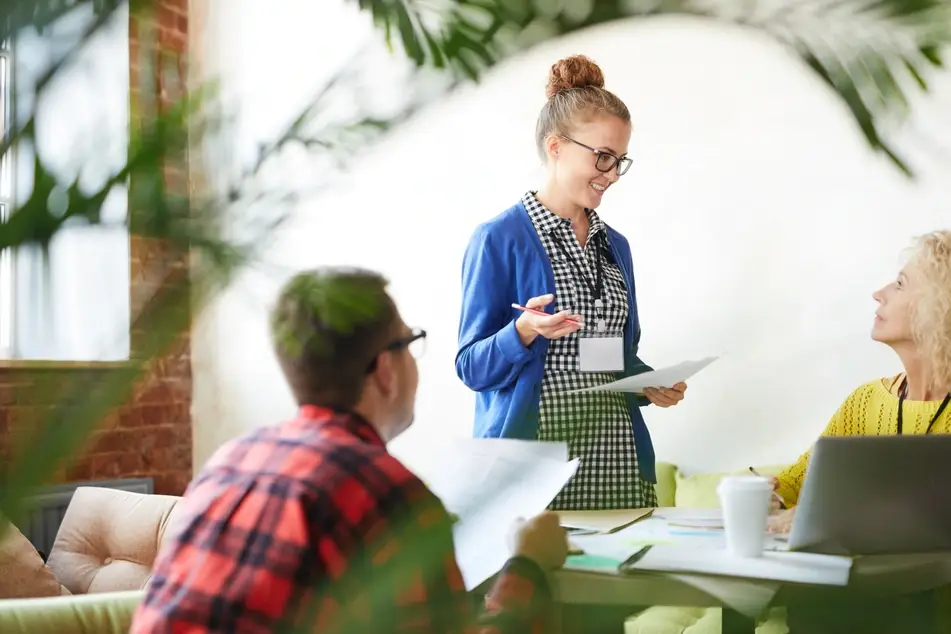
column 313, row 521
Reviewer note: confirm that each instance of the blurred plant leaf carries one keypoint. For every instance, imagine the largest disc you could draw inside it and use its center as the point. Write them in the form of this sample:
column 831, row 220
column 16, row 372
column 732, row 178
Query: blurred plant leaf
column 452, row 34
column 186, row 224
column 345, row 304
column 871, row 53
column 874, row 54
column 85, row 400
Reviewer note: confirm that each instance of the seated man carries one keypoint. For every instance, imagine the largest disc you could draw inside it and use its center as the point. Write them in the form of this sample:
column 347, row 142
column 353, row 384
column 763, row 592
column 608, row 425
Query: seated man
column 311, row 522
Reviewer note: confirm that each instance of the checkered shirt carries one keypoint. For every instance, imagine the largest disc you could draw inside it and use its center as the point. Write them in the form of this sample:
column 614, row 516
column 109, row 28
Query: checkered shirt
column 596, row 426
column 313, row 522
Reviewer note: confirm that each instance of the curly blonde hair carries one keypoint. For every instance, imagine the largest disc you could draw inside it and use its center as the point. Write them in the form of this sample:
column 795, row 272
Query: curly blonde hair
column 931, row 319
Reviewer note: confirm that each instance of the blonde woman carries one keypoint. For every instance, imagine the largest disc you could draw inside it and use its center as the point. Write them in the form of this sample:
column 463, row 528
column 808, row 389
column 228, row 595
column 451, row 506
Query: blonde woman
column 914, row 319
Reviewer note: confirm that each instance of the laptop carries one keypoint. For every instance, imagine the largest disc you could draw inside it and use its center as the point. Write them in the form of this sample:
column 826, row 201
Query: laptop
column 873, row 495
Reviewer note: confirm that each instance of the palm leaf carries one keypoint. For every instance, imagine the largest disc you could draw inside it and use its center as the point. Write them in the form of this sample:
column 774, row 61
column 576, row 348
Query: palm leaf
column 873, row 54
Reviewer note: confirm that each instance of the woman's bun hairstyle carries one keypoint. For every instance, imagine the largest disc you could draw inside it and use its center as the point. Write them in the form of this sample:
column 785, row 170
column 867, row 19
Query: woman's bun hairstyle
column 576, row 71
column 575, row 92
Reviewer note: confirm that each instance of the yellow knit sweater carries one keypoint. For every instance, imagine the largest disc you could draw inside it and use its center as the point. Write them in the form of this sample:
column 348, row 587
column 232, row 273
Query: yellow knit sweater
column 871, row 410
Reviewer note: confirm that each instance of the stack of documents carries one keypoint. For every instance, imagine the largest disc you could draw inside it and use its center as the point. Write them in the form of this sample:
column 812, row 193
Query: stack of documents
column 682, row 545
column 601, row 521
column 489, row 483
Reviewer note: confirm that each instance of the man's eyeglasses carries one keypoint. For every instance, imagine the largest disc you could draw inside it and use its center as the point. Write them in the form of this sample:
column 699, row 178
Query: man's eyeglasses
column 415, row 342
column 605, row 161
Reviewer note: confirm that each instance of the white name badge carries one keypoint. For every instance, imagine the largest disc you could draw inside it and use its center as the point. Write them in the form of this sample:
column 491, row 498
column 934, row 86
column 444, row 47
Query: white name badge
column 601, row 354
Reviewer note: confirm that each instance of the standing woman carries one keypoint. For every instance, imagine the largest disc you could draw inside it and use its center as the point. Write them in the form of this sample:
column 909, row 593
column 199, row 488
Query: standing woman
column 553, row 253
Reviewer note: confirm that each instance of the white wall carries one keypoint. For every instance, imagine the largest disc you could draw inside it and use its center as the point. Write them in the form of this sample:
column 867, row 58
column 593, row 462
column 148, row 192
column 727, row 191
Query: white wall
column 760, row 224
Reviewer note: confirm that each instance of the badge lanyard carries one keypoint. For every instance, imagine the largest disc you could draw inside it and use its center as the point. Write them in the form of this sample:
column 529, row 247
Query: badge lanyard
column 597, row 289
column 903, row 394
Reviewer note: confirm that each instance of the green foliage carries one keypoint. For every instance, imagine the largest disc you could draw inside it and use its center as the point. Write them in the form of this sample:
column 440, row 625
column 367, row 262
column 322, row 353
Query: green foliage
column 875, row 55
column 314, row 302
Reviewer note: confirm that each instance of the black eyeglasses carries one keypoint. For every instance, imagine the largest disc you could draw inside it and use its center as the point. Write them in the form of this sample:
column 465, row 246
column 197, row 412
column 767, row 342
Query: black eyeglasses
column 415, row 342
column 605, row 161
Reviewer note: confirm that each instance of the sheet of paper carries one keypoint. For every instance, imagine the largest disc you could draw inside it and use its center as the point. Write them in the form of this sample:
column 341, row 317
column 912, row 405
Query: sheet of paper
column 602, row 521
column 665, row 377
column 686, row 550
column 689, row 514
column 488, row 484
column 463, row 472
column 773, row 565
column 708, row 524
column 658, row 531
column 749, row 598
column 482, row 535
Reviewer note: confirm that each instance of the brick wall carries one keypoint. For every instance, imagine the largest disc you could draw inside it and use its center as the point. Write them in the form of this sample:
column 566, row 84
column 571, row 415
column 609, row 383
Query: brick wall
column 151, row 435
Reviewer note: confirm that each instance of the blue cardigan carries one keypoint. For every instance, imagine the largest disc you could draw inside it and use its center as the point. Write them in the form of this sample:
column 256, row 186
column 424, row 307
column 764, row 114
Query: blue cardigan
column 506, row 262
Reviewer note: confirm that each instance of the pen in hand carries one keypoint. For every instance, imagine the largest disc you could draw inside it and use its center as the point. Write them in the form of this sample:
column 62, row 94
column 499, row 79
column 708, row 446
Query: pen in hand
column 543, row 314
column 775, row 493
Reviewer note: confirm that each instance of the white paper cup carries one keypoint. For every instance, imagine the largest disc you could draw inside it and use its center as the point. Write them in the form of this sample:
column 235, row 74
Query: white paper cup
column 745, row 502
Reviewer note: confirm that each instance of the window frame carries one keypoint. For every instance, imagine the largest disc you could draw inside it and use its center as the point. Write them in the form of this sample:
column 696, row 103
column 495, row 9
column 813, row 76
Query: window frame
column 7, row 205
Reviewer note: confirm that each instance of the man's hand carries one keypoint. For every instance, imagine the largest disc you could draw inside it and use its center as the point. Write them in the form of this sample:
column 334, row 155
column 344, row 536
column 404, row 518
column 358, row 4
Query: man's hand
column 543, row 540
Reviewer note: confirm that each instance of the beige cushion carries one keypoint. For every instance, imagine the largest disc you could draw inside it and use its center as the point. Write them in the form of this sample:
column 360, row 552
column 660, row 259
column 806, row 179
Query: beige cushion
column 108, row 539
column 22, row 571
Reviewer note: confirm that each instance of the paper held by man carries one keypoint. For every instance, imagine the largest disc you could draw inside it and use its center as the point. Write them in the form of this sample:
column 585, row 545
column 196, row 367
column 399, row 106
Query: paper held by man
column 664, row 377
column 488, row 484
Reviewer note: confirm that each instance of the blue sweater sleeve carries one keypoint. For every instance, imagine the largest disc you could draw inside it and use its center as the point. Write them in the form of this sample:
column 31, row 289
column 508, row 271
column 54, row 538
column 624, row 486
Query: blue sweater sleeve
column 490, row 355
column 634, row 367
column 633, row 364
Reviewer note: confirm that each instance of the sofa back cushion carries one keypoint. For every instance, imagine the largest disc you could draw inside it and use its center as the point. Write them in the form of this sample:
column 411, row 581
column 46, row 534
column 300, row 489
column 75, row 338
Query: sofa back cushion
column 666, row 484
column 109, row 539
column 700, row 491
column 22, row 571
